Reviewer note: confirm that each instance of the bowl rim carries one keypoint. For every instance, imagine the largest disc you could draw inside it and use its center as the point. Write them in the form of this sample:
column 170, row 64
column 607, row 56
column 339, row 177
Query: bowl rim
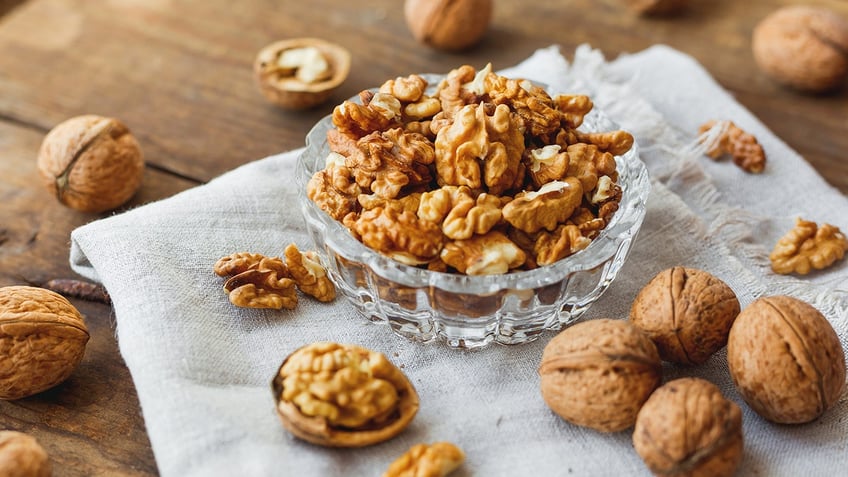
column 624, row 225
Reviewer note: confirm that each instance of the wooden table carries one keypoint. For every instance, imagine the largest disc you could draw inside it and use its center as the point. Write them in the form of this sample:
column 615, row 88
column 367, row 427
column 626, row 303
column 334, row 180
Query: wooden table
column 178, row 73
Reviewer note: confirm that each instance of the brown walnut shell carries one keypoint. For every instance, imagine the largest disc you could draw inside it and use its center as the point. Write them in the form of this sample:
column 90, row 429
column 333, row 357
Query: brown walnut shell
column 688, row 428
column 687, row 313
column 42, row 340
column 803, row 47
column 450, row 25
column 91, row 163
column 288, row 92
column 598, row 373
column 22, row 456
column 321, row 431
column 786, row 360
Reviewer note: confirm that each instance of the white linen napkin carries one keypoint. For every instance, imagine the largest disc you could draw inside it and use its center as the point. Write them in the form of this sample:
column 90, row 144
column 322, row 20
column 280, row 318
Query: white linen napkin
column 202, row 368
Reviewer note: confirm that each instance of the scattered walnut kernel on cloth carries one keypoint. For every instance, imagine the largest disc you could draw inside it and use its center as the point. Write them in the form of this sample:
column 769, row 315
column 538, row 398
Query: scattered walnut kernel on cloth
column 746, row 151
column 339, row 395
column 421, row 460
column 487, row 175
column 257, row 281
column 807, row 247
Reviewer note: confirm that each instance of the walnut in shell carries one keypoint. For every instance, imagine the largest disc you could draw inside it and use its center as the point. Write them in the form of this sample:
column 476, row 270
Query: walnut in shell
column 687, row 313
column 803, row 47
column 300, row 73
column 22, row 456
column 688, row 428
column 448, row 24
column 42, row 340
column 339, row 395
column 786, row 360
column 91, row 163
column 598, row 373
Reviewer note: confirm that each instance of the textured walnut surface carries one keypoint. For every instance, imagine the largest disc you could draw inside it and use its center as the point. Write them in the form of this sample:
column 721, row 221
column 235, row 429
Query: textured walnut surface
column 22, row 456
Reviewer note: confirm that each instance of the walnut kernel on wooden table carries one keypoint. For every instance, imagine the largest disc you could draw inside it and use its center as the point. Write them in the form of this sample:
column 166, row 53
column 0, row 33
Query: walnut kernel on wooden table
column 803, row 47
column 22, row 456
column 687, row 428
column 422, row 460
column 339, row 395
column 808, row 246
column 300, row 73
column 91, row 163
column 786, row 360
column 598, row 373
column 687, row 313
column 42, row 340
column 746, row 151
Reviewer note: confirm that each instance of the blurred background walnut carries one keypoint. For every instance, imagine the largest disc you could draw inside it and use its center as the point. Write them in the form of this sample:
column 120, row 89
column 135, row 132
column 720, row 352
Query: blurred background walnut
column 786, row 360
column 687, row 313
column 656, row 7
column 91, row 163
column 22, row 456
column 42, row 340
column 803, row 47
column 598, row 373
column 448, row 24
column 687, row 428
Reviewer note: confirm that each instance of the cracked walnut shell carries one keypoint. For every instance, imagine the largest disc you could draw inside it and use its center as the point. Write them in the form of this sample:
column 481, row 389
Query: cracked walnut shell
column 687, row 313
column 598, row 373
column 42, row 340
column 688, row 428
column 91, row 163
column 339, row 395
column 22, row 456
column 786, row 360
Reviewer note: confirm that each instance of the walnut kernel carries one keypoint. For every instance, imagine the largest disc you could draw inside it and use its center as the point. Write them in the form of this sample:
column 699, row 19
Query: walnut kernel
column 688, row 428
column 22, row 456
column 687, row 313
column 421, row 460
column 91, row 163
column 807, row 247
column 343, row 395
column 746, row 151
column 786, row 360
column 598, row 373
column 42, row 340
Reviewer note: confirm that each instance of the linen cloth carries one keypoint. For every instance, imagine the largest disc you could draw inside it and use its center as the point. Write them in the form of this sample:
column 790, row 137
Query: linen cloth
column 202, row 367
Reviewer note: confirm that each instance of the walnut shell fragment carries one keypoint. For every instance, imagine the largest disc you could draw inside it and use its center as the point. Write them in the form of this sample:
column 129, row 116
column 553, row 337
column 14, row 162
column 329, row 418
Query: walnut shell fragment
column 598, row 373
column 22, row 456
column 339, row 395
column 786, row 360
column 300, row 73
column 42, row 340
column 91, row 163
column 687, row 313
column 687, row 428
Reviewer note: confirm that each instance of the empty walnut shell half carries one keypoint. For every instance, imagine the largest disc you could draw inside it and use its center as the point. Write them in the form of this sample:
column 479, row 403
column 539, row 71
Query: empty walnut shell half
column 688, row 428
column 300, row 73
column 687, row 313
column 598, row 374
column 42, row 340
column 786, row 360
column 341, row 395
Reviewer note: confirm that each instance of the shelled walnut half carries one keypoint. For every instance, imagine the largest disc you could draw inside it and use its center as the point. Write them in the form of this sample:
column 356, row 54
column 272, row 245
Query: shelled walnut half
column 807, row 247
column 421, row 460
column 340, row 395
column 300, row 73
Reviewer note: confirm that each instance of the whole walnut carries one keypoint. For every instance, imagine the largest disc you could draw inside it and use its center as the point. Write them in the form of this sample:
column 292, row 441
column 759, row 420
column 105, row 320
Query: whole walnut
column 598, row 373
column 803, row 47
column 22, row 456
column 42, row 340
column 91, row 163
column 448, row 24
column 656, row 7
column 687, row 428
column 687, row 313
column 786, row 360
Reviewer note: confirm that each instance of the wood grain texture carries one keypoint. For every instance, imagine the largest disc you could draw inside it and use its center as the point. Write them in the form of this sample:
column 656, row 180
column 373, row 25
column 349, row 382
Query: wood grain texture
column 178, row 73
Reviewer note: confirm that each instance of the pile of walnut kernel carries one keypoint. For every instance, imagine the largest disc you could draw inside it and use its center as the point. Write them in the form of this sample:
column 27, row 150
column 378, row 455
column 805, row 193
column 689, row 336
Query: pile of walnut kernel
column 485, row 176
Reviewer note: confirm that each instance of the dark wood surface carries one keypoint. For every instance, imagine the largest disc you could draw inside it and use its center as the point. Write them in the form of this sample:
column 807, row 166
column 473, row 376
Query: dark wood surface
column 178, row 73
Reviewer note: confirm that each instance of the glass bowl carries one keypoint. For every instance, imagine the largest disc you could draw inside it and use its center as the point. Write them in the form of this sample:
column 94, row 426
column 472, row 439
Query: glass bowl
column 473, row 311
